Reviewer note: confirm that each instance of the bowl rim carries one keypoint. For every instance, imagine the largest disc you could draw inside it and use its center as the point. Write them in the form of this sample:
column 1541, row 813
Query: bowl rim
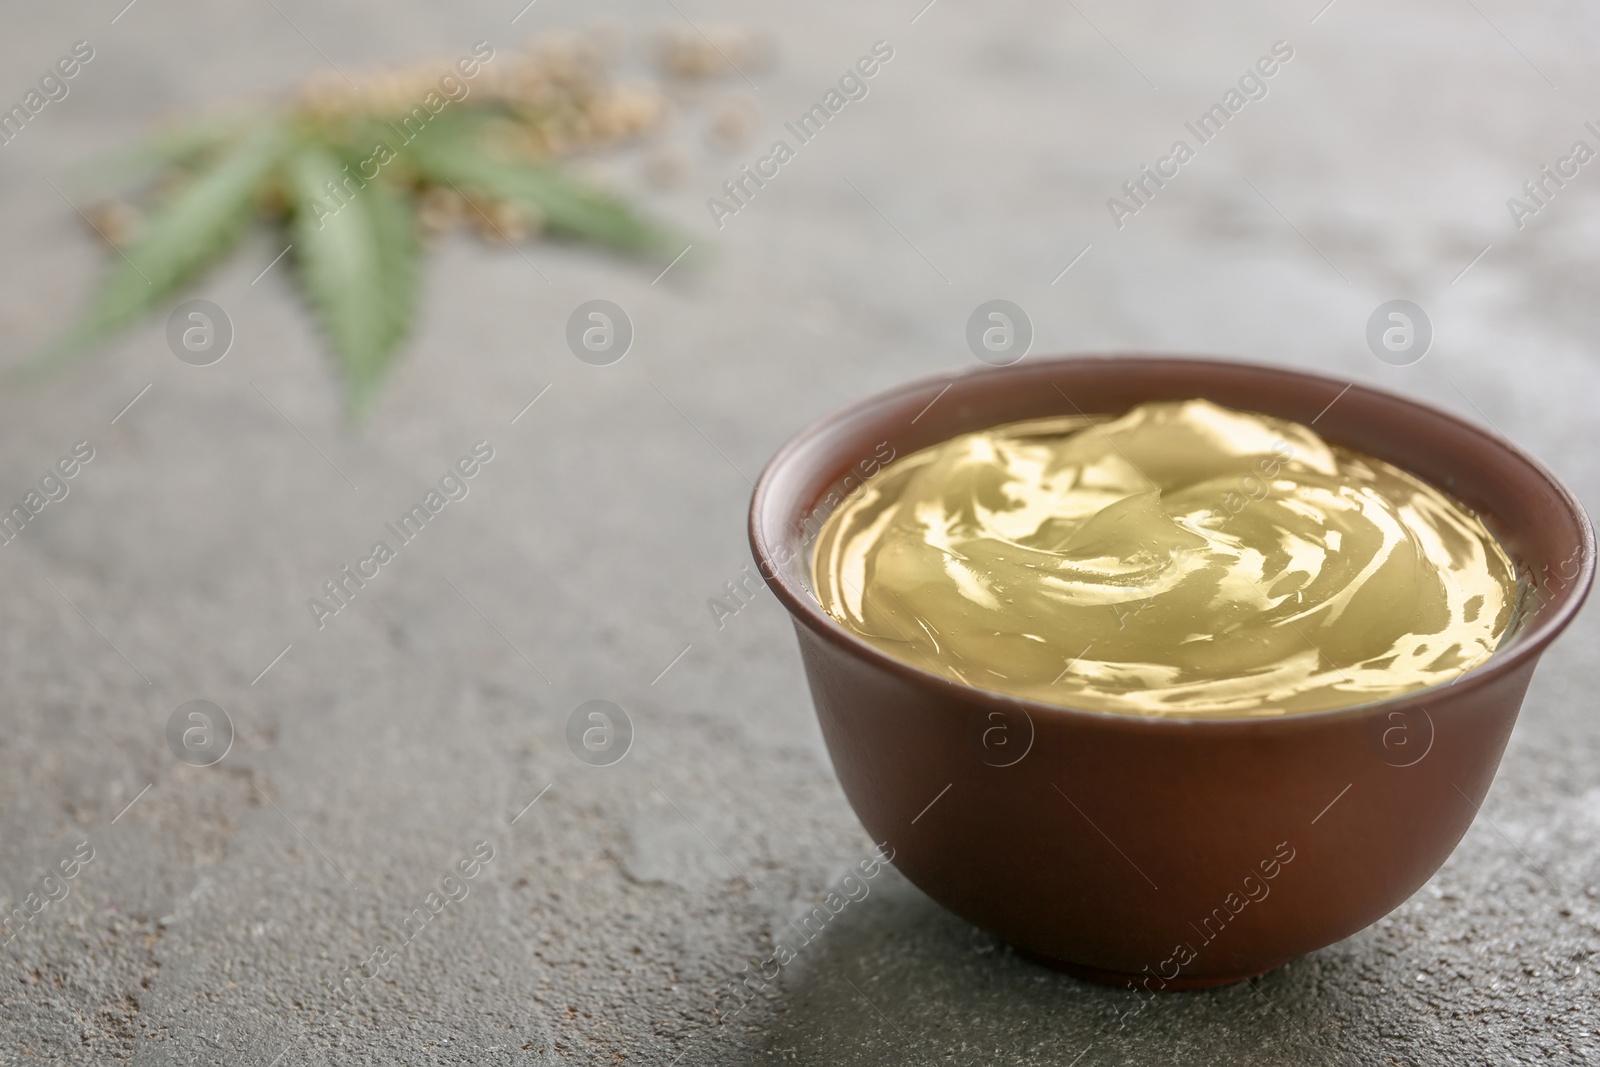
column 1527, row 646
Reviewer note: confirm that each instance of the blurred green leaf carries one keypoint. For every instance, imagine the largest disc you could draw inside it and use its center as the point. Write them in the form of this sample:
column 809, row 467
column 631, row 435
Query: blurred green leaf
column 357, row 256
column 454, row 155
column 356, row 250
column 180, row 239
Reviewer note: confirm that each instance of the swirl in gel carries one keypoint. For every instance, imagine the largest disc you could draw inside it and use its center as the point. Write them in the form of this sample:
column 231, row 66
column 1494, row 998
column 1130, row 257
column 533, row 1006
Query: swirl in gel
column 1182, row 560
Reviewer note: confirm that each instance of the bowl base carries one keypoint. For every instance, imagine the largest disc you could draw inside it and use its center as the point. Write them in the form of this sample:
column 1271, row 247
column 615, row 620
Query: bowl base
column 1127, row 979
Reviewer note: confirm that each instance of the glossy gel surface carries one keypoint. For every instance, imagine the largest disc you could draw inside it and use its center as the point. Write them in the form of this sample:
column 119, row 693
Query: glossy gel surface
column 1183, row 560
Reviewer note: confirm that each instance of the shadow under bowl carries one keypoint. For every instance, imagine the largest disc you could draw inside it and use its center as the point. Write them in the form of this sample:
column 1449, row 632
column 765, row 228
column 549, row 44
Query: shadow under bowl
column 1168, row 853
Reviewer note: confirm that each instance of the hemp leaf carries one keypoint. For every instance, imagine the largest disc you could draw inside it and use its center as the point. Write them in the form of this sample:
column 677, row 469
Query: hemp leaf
column 358, row 265
column 192, row 228
column 356, row 179
column 456, row 154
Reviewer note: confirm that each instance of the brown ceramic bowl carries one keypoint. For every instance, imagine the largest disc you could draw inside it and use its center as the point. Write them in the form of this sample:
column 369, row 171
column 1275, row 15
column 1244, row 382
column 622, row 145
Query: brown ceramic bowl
column 1172, row 853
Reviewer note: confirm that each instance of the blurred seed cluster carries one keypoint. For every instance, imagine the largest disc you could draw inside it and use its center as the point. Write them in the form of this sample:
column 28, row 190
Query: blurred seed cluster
column 561, row 96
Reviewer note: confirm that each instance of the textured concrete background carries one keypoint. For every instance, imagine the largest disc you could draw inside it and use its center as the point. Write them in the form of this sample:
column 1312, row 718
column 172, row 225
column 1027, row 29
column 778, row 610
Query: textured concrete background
column 219, row 908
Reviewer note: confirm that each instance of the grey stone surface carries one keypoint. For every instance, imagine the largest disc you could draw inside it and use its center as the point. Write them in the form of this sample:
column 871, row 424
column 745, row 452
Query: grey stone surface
column 221, row 907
